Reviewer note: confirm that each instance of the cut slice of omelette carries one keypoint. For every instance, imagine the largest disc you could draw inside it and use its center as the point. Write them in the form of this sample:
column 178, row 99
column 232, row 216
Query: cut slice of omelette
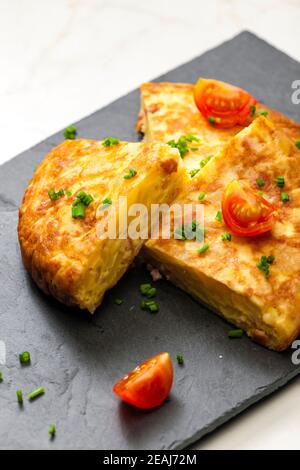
column 57, row 229
column 226, row 276
column 168, row 111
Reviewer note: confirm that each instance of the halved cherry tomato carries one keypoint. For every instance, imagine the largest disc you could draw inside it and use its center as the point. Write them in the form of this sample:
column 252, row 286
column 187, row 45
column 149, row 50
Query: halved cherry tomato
column 222, row 104
column 149, row 384
column 245, row 212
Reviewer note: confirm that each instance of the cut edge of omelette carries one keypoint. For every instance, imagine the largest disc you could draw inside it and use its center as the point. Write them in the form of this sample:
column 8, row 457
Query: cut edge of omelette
column 226, row 277
column 64, row 255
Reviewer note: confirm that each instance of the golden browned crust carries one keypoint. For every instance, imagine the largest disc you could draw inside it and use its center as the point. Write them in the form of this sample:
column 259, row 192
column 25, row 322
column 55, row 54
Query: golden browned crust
column 168, row 111
column 64, row 255
column 227, row 277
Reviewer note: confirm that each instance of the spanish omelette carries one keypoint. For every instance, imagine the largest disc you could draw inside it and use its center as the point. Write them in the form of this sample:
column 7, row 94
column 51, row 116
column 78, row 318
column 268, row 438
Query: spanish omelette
column 63, row 253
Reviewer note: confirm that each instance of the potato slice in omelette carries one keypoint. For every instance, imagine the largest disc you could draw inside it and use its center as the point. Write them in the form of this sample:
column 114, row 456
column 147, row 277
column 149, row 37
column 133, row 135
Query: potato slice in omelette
column 63, row 253
column 226, row 276
column 168, row 111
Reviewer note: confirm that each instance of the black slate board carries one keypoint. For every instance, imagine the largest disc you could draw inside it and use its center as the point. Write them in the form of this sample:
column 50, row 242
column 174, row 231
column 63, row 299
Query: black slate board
column 78, row 358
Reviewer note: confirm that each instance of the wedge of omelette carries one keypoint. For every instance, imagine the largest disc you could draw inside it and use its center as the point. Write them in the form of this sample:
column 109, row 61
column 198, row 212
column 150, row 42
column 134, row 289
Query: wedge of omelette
column 58, row 217
column 253, row 282
column 168, row 111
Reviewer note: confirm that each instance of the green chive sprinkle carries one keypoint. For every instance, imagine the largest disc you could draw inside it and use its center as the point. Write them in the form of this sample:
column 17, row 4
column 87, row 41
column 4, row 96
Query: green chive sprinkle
column 151, row 292
column 264, row 113
column 24, row 357
column 284, row 197
column 219, row 216
column 205, row 161
column 19, row 396
column 280, row 181
column 1, row 376
column 194, row 149
column 109, row 141
column 144, row 288
column 252, row 110
column 203, row 249
column 36, row 393
column 78, row 211
column 264, row 264
column 235, row 333
column 180, row 359
column 149, row 305
column 201, row 196
column 83, row 197
column 211, row 119
column 130, row 174
column 70, row 133
column 82, row 200
column 118, row 301
column 52, row 430
column 297, row 143
column 182, row 144
column 53, row 195
column 260, row 182
column 68, row 193
column 226, row 236
column 105, row 203
column 194, row 172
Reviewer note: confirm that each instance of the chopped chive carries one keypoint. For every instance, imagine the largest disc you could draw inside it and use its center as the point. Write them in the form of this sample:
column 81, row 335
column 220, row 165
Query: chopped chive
column 19, row 396
column 192, row 138
column 109, row 141
column 264, row 113
column 68, row 193
column 105, row 203
column 264, row 264
column 194, row 149
column 280, row 181
column 150, row 305
column 260, row 182
column 53, row 195
column 144, row 288
column 219, row 216
column 297, row 143
column 201, row 196
column 24, row 357
column 235, row 333
column 211, row 119
column 252, row 110
column 130, row 174
column 180, row 359
column 70, row 133
column 118, row 301
column 203, row 249
column 52, row 430
column 1, row 376
column 82, row 200
column 151, row 293
column 194, row 172
column 83, row 197
column 284, row 197
column 36, row 393
column 205, row 161
column 78, row 211
column 226, row 236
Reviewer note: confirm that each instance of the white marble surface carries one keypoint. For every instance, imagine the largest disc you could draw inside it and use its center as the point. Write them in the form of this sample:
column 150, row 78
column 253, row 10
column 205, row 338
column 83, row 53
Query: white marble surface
column 62, row 59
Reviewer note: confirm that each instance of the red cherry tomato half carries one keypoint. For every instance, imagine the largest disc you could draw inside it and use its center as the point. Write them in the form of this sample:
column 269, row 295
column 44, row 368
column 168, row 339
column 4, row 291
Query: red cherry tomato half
column 245, row 212
column 149, row 384
column 222, row 104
